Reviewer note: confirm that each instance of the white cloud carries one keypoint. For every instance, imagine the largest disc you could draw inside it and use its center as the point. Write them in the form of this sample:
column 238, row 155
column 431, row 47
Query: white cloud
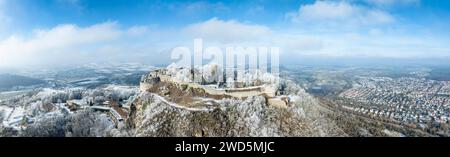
column 63, row 43
column 328, row 29
column 61, row 36
column 376, row 45
column 222, row 33
column 298, row 42
column 231, row 31
column 138, row 30
column 328, row 10
column 339, row 13
column 108, row 42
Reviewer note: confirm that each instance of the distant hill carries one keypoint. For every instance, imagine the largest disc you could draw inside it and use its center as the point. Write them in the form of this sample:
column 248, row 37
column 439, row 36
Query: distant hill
column 9, row 81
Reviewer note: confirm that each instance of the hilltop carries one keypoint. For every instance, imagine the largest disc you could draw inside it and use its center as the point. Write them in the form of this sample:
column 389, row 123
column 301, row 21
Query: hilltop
column 170, row 106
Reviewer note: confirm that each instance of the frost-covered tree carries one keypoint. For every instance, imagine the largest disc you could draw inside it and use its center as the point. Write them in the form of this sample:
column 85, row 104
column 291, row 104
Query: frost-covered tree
column 2, row 116
column 51, row 126
column 88, row 123
column 75, row 94
column 60, row 97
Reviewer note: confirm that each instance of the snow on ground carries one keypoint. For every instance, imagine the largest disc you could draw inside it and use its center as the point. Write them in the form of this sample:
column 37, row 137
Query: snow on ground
column 6, row 110
column 13, row 115
column 64, row 107
column 162, row 99
column 126, row 89
column 87, row 80
column 123, row 90
column 294, row 98
column 10, row 94
column 46, row 92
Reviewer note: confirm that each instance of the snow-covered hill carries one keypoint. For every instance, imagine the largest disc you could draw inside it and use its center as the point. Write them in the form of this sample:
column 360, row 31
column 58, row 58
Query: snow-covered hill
column 153, row 115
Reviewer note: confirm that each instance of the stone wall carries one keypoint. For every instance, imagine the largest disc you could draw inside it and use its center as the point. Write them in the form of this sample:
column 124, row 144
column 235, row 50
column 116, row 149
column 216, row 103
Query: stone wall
column 240, row 93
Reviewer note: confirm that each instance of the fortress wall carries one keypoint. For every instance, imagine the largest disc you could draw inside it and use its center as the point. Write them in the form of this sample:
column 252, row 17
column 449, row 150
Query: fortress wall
column 215, row 92
column 255, row 88
column 235, row 92
column 244, row 94
column 268, row 91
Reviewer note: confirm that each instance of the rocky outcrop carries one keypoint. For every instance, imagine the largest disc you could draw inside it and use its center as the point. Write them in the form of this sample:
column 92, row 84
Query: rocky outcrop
column 152, row 116
column 170, row 106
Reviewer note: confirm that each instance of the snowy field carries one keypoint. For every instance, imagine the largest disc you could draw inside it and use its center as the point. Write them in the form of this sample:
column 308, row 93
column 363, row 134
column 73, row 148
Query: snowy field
column 13, row 115
column 11, row 94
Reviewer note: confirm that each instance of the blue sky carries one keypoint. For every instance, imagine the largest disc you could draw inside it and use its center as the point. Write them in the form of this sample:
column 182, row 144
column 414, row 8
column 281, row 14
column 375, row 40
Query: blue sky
column 30, row 14
column 50, row 31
